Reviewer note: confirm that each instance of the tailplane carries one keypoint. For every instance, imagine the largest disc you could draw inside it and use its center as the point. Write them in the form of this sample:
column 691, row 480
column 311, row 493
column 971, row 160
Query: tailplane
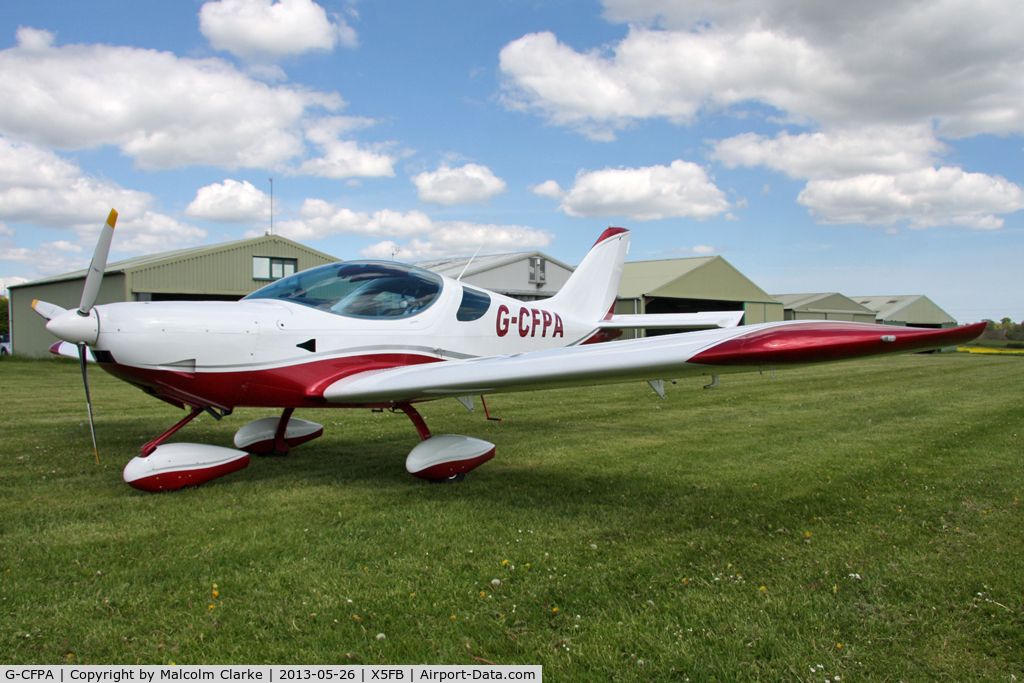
column 590, row 292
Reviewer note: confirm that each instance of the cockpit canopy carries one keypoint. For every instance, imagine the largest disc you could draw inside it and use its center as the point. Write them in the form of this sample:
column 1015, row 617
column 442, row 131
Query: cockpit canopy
column 359, row 289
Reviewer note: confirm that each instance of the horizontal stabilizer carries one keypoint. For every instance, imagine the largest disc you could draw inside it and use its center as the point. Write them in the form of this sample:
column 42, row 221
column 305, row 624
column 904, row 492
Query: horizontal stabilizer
column 673, row 320
column 47, row 310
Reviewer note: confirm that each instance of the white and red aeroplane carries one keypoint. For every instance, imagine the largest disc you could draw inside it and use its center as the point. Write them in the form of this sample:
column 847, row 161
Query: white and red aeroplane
column 382, row 335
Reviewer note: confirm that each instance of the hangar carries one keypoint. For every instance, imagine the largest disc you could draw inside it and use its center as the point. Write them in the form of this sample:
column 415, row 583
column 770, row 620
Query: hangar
column 690, row 285
column 914, row 310
column 827, row 306
column 527, row 276
column 220, row 272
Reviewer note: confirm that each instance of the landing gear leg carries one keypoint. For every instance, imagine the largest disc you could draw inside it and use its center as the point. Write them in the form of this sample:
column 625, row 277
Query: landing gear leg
column 417, row 419
column 281, row 447
column 149, row 447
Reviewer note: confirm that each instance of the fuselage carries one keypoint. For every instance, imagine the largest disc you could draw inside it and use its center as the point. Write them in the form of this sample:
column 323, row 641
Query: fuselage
column 284, row 350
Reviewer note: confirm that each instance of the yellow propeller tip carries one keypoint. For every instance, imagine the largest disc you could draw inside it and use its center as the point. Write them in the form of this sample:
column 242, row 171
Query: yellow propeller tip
column 112, row 218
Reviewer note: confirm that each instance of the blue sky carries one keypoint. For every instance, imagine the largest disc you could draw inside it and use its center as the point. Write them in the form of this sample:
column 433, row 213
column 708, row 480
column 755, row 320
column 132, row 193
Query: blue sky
column 866, row 148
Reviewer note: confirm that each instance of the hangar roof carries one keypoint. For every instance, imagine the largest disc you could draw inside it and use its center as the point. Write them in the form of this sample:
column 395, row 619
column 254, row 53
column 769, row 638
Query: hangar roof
column 908, row 308
column 827, row 302
column 701, row 277
column 147, row 261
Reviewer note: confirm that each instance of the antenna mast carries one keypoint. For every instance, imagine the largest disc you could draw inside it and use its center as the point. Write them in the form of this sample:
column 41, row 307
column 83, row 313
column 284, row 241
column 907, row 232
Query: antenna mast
column 271, row 205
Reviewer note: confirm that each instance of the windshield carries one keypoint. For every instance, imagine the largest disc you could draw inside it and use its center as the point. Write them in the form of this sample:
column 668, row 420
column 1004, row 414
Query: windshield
column 359, row 289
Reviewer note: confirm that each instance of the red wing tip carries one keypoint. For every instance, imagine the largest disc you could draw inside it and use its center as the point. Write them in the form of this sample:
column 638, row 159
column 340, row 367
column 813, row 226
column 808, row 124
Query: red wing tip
column 55, row 347
column 610, row 232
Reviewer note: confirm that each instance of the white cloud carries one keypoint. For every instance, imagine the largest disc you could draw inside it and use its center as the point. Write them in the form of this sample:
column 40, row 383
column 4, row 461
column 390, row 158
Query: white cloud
column 920, row 199
column 161, row 110
column 458, row 238
column 846, row 65
column 230, row 202
column 426, row 239
column 464, row 185
column 320, row 219
column 257, row 29
column 40, row 188
column 549, row 188
column 673, row 75
column 6, row 282
column 837, row 154
column 642, row 194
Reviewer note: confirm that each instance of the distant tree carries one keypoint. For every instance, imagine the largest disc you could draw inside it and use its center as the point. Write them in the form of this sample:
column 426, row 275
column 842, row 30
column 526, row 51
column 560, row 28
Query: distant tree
column 4, row 327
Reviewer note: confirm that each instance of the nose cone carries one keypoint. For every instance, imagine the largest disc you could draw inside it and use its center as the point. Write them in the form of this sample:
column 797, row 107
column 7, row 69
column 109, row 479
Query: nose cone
column 75, row 328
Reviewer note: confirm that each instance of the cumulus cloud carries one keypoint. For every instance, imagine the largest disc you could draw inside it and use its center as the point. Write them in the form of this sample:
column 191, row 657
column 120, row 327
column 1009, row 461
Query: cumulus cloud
column 230, row 202
column 424, row 237
column 877, row 176
column 642, row 194
column 40, row 188
column 549, row 188
column 919, row 199
column 6, row 282
column 841, row 65
column 164, row 111
column 344, row 158
column 320, row 219
column 836, row 154
column 458, row 238
column 464, row 185
column 259, row 29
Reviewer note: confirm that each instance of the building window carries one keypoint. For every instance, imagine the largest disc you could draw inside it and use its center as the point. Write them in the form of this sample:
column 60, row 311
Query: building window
column 272, row 268
column 537, row 274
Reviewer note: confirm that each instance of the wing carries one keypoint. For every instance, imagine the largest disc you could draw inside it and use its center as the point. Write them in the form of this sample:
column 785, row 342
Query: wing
column 673, row 320
column 736, row 349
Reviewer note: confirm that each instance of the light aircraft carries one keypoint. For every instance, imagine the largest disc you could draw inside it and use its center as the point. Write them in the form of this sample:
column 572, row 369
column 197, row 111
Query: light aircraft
column 384, row 336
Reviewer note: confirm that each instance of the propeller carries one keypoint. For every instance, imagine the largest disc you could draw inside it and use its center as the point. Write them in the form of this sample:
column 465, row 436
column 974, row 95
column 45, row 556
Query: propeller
column 81, row 327
column 90, row 291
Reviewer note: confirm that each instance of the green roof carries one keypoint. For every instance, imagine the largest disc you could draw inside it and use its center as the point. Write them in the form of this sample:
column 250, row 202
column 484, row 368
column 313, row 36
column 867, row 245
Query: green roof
column 149, row 260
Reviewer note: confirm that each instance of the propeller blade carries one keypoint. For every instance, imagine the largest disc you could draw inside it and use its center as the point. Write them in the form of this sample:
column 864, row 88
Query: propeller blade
column 91, row 290
column 46, row 309
column 88, row 401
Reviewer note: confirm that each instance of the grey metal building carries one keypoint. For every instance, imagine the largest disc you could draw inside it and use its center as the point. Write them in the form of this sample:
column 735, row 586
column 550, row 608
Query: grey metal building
column 219, row 272
column 527, row 276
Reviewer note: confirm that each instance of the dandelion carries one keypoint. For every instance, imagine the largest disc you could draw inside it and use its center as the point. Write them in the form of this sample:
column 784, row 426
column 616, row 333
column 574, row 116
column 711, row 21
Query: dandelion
column 555, row 609
column 762, row 588
column 504, row 562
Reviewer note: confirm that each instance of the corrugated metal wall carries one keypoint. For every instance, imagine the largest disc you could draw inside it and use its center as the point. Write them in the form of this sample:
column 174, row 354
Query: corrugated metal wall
column 515, row 277
column 226, row 272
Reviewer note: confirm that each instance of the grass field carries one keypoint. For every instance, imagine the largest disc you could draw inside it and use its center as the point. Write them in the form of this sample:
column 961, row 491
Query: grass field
column 861, row 521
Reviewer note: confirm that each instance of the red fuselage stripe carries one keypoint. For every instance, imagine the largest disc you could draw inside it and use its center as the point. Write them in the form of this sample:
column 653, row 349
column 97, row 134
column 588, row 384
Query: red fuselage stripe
column 298, row 386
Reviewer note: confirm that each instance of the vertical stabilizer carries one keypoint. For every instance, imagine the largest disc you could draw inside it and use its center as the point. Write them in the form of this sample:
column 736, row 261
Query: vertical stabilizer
column 594, row 285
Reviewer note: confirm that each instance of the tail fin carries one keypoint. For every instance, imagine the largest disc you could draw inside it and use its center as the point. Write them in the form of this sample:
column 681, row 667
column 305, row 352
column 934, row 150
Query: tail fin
column 591, row 290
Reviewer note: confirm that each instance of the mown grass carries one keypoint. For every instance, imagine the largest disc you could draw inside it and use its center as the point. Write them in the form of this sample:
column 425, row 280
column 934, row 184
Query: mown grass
column 861, row 520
